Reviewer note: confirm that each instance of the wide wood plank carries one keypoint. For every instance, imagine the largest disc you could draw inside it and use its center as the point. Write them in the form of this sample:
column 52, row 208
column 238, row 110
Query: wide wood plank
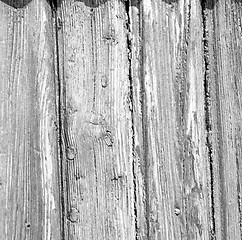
column 97, row 120
column 29, row 194
column 174, row 133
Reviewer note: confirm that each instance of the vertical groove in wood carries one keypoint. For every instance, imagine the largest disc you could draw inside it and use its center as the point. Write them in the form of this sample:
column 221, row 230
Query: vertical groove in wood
column 135, row 38
column 131, row 108
column 208, row 123
column 59, row 96
column 29, row 188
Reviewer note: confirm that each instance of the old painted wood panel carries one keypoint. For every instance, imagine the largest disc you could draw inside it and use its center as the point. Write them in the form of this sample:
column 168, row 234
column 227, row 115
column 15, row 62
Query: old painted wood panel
column 29, row 193
column 120, row 119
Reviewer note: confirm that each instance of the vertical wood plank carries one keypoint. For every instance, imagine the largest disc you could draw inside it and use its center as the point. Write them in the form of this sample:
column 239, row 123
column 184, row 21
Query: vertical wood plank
column 174, row 131
column 223, row 77
column 28, row 139
column 97, row 120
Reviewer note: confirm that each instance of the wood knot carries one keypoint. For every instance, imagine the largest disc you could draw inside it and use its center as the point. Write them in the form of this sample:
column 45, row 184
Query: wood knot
column 104, row 81
column 177, row 211
column 111, row 37
column 73, row 215
column 28, row 225
column 71, row 153
column 116, row 178
column 108, row 138
column 97, row 119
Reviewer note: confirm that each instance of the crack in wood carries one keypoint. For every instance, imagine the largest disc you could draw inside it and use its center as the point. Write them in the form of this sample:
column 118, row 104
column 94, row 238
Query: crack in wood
column 59, row 96
column 129, row 47
column 239, row 194
column 208, row 125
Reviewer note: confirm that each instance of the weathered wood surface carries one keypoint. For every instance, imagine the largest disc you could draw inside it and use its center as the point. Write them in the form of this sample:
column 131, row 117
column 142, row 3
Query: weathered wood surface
column 97, row 121
column 223, row 82
column 121, row 119
column 28, row 141
column 173, row 117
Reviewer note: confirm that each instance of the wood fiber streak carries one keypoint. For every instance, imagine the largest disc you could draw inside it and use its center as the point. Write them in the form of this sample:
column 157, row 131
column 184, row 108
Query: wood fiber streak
column 174, row 132
column 120, row 119
column 28, row 143
column 223, row 28
column 97, row 120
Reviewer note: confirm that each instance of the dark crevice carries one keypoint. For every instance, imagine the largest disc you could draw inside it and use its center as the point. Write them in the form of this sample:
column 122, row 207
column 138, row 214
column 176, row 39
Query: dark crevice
column 95, row 172
column 127, row 4
column 239, row 193
column 60, row 126
column 208, row 124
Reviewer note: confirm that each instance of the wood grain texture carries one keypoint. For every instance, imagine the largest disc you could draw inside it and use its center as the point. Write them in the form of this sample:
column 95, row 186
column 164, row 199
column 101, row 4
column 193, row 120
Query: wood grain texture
column 120, row 119
column 29, row 159
column 97, row 121
column 150, row 53
column 223, row 78
column 174, row 129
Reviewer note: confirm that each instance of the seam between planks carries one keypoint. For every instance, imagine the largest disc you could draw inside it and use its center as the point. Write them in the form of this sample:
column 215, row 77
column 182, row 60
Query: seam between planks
column 59, row 117
column 208, row 124
column 129, row 47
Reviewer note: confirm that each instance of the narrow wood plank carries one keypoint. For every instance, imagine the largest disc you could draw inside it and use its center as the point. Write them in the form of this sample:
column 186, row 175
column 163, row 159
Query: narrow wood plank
column 97, row 120
column 174, row 131
column 28, row 138
column 223, row 78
